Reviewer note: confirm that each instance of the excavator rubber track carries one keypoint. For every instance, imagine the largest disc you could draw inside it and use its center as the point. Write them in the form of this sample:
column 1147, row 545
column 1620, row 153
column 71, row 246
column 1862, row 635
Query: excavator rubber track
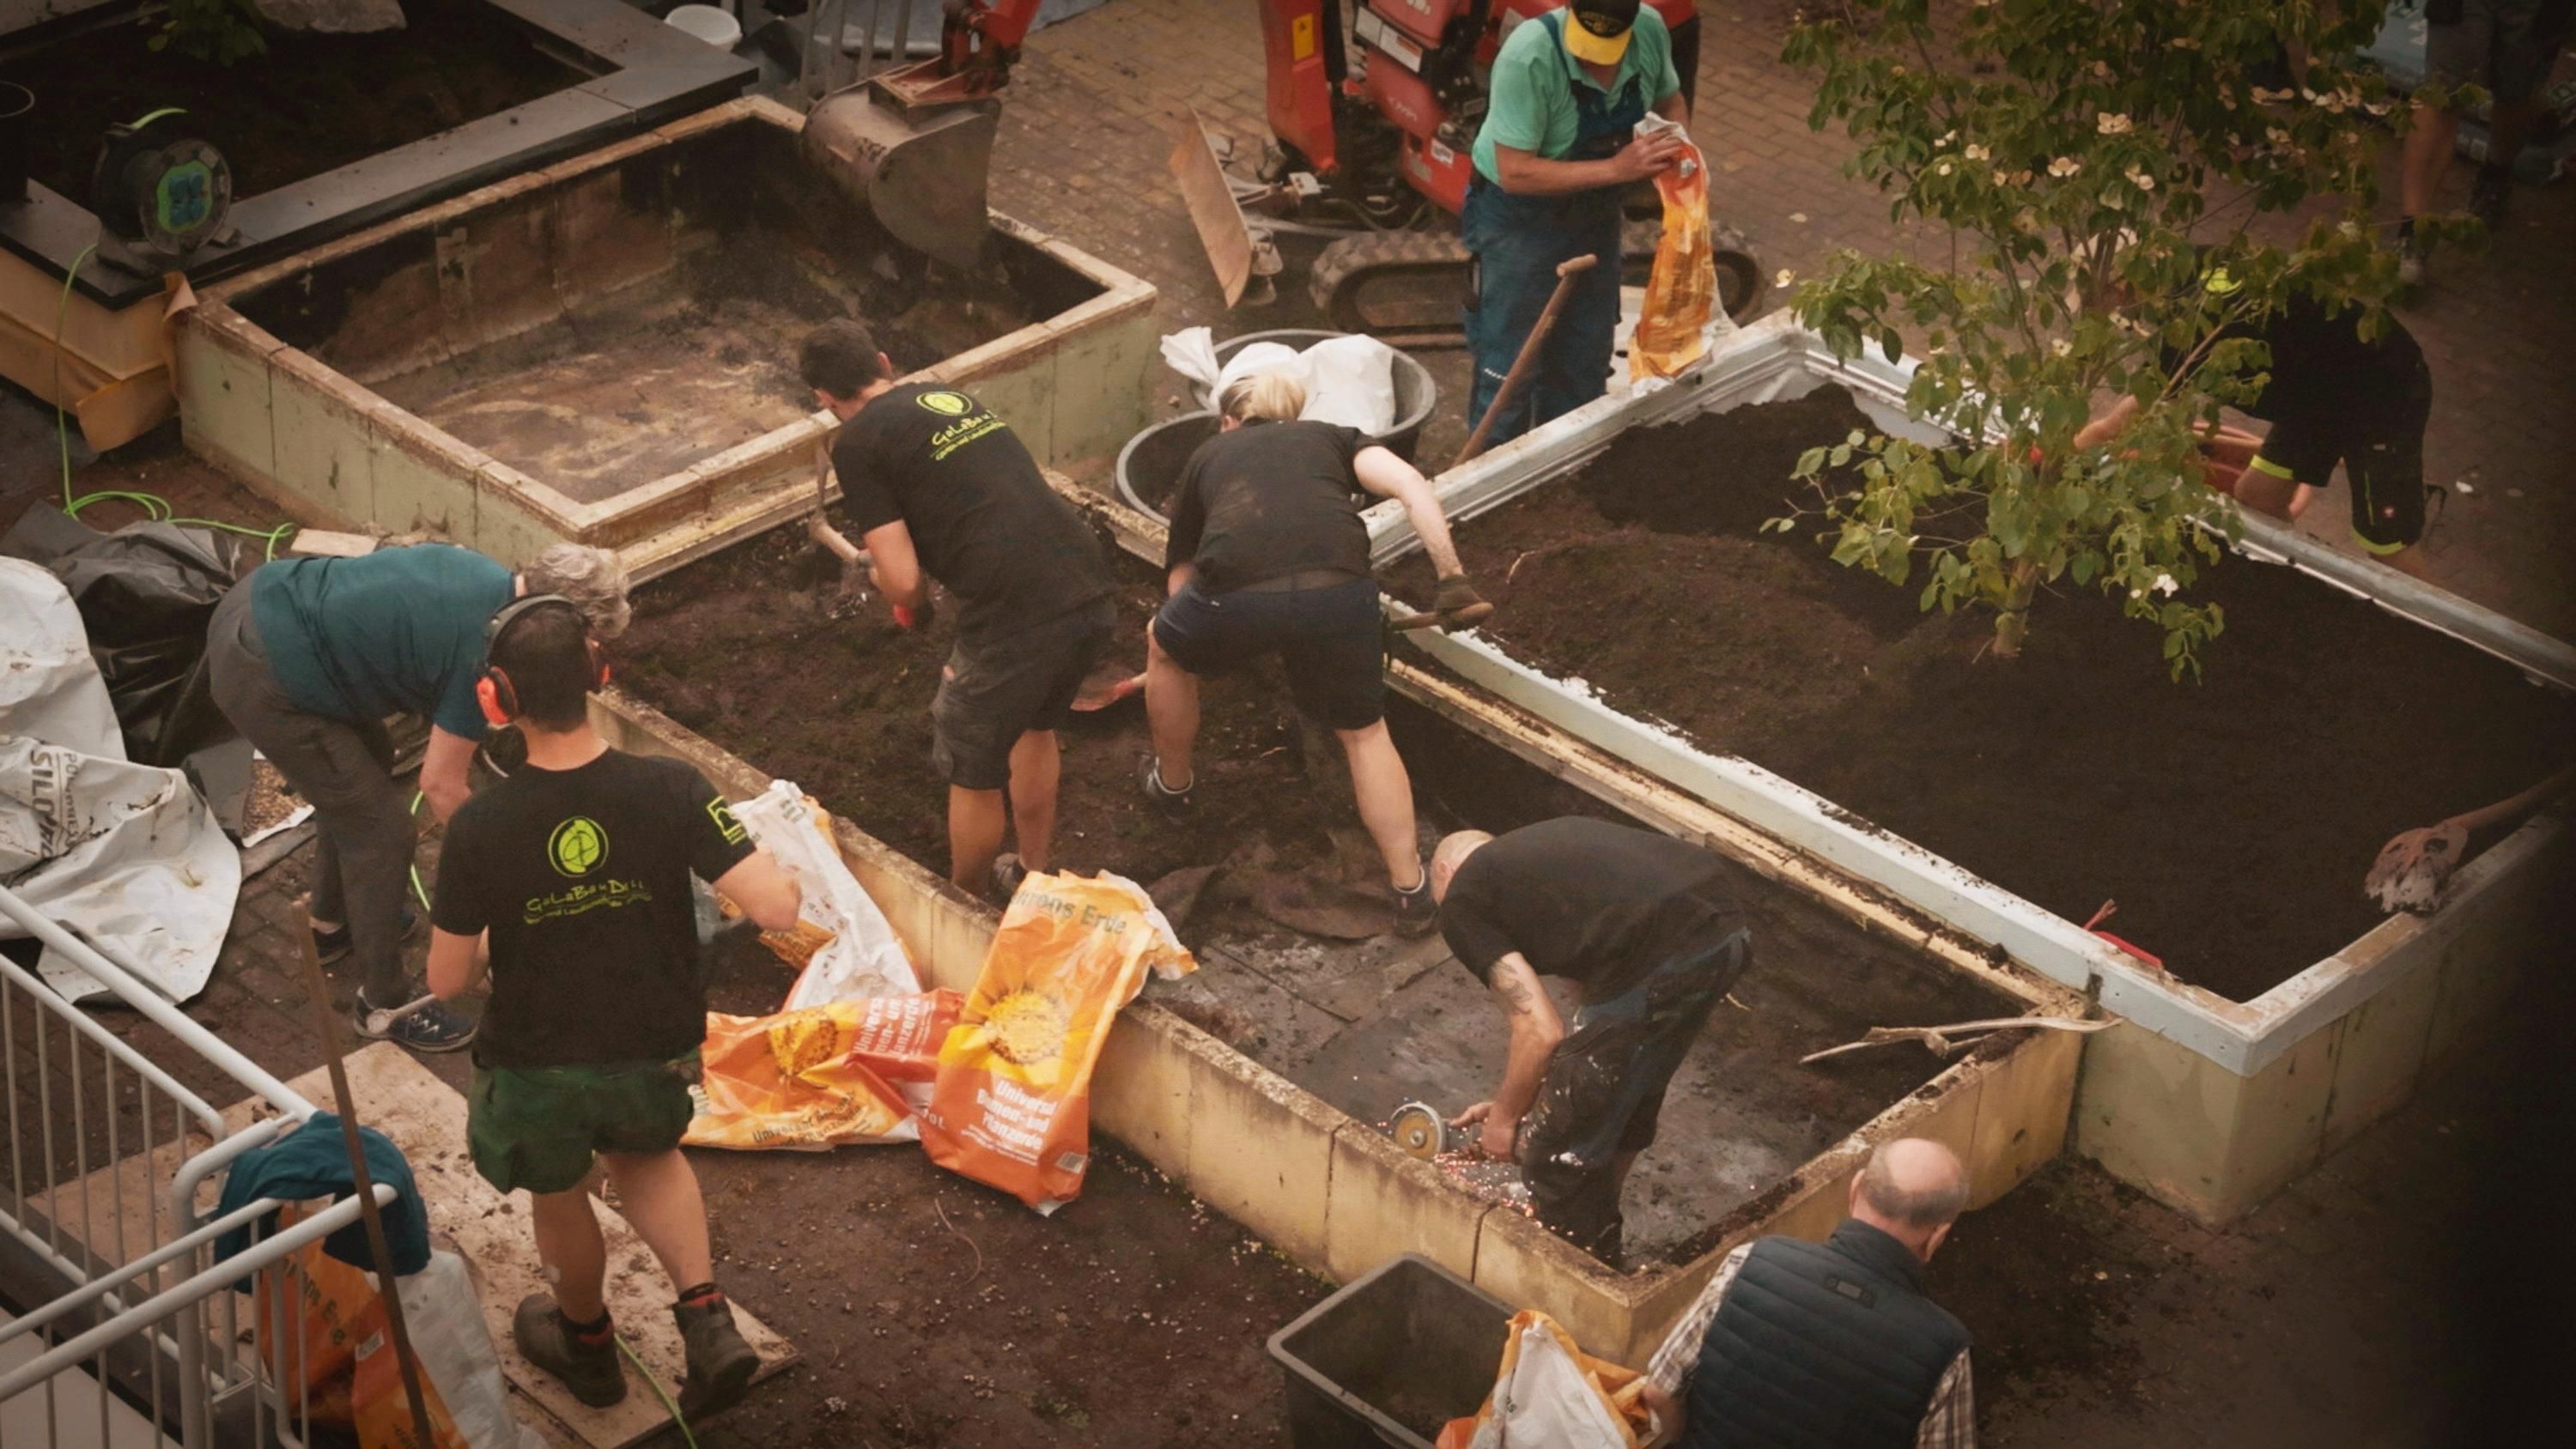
column 1419, row 281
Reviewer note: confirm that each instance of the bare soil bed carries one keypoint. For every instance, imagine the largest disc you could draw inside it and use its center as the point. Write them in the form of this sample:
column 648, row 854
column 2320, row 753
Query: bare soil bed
column 312, row 103
column 2231, row 819
column 745, row 648
column 643, row 382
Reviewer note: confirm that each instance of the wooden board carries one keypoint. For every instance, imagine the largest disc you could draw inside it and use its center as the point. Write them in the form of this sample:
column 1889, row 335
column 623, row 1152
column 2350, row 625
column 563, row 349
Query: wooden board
column 425, row 1117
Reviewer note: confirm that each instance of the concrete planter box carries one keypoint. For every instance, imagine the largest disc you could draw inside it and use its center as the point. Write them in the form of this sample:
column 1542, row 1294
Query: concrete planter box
column 2208, row 1103
column 283, row 372
column 1332, row 1191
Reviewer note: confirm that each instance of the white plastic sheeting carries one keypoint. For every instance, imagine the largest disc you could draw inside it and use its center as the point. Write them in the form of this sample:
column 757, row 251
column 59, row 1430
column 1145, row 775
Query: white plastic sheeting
column 127, row 855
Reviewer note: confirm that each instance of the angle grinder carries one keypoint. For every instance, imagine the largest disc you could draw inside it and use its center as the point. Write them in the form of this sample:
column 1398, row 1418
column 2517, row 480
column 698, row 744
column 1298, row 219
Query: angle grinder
column 1421, row 1131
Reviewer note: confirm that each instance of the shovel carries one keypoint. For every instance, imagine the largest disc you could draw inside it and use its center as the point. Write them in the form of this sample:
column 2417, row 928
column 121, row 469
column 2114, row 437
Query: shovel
column 1109, row 686
column 2414, row 869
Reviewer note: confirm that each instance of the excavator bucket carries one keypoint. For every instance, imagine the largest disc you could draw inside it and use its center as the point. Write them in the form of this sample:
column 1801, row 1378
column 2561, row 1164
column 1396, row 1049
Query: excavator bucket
column 920, row 170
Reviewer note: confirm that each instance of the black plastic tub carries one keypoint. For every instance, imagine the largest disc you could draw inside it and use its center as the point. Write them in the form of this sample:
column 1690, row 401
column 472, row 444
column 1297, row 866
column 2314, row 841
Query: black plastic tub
column 1398, row 1352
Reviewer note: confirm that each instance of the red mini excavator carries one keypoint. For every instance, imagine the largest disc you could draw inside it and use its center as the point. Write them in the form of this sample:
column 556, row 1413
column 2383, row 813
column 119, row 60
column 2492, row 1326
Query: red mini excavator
column 1374, row 128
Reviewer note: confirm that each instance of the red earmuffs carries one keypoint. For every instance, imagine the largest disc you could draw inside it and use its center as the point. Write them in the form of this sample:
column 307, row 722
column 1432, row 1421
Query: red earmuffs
column 493, row 691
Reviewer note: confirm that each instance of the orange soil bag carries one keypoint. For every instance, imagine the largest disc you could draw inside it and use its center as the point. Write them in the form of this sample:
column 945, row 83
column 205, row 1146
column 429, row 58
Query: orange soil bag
column 822, row 1076
column 1681, row 294
column 1552, row 1392
column 1012, row 1106
column 347, row 1375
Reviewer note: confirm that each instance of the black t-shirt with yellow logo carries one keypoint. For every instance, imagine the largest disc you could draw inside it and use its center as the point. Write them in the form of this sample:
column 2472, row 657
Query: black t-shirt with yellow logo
column 582, row 876
column 982, row 518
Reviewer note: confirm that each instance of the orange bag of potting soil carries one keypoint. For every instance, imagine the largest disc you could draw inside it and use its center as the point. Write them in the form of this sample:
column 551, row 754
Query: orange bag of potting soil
column 1012, row 1106
column 338, row 1361
column 821, row 1076
column 1681, row 295
column 1549, row 1391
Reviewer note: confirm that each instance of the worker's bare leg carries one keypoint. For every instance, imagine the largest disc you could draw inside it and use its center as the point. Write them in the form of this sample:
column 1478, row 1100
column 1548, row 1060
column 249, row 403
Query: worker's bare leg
column 1385, row 796
column 2428, row 159
column 976, row 820
column 574, row 1253
column 1171, row 713
column 2267, row 493
column 658, row 1193
column 1037, row 763
column 1619, row 1166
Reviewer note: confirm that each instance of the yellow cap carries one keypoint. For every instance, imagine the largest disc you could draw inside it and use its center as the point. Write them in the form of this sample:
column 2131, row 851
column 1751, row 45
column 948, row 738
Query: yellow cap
column 1597, row 34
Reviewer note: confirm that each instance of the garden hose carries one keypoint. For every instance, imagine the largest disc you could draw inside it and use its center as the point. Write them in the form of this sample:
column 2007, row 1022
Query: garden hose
column 659, row 1392
column 156, row 509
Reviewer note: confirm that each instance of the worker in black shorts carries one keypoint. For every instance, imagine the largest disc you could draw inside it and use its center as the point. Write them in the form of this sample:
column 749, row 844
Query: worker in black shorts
column 568, row 884
column 939, row 488
column 1267, row 555
column 2336, row 396
column 1645, row 929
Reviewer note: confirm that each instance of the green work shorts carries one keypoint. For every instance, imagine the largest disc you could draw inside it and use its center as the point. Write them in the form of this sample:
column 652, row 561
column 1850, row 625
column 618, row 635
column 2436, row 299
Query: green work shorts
column 539, row 1127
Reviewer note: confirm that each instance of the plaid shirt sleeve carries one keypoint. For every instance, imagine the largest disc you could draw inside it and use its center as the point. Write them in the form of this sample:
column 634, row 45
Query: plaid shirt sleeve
column 1951, row 1421
column 1670, row 1369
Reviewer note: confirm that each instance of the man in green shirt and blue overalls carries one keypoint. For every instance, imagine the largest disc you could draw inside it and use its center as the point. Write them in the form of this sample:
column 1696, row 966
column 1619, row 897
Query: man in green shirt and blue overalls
column 1554, row 157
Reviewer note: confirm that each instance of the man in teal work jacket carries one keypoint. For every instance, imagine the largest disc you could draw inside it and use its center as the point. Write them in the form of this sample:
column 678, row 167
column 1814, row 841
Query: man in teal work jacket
column 1555, row 155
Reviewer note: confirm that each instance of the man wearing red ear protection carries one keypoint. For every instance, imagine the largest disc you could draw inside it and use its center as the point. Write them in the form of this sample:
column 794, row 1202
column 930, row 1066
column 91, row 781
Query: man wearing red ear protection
column 307, row 658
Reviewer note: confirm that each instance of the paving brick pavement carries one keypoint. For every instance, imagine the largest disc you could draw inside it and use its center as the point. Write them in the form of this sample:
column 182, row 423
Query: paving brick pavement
column 1082, row 152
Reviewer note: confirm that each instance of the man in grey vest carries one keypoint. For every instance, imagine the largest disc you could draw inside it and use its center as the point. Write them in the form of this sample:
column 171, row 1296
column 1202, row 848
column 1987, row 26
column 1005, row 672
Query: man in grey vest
column 1832, row 1343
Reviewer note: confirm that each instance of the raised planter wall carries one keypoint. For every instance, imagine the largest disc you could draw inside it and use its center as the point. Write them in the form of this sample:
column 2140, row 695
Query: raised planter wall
column 2208, row 1103
column 514, row 256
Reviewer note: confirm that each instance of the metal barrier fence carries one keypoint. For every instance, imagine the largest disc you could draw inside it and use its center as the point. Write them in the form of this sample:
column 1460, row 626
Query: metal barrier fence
column 110, row 1159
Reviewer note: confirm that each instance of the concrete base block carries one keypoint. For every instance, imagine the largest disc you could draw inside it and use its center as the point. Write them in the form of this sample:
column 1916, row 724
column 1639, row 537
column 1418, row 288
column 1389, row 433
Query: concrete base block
column 1385, row 1204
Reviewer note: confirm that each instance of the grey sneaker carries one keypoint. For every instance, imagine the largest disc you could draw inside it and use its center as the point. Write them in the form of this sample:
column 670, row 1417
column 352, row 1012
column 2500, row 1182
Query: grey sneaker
column 720, row 1362
column 1415, row 911
column 589, row 1369
column 2411, row 270
column 1175, row 804
column 1008, row 874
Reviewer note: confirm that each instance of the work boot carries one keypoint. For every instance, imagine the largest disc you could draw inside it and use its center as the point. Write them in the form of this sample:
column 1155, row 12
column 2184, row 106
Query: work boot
column 1415, row 911
column 434, row 1027
column 2487, row 194
column 720, row 1362
column 1174, row 804
column 586, row 1362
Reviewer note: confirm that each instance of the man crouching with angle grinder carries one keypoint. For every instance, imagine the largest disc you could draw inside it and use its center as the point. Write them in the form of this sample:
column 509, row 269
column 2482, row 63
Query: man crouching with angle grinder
column 1645, row 928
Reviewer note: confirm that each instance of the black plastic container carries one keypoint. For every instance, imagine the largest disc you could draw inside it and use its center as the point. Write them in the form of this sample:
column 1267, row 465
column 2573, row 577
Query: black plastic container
column 17, row 124
column 1399, row 1351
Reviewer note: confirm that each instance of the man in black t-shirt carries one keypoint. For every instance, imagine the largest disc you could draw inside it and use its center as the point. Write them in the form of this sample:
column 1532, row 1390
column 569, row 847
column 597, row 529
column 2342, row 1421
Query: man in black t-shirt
column 2336, row 396
column 1267, row 555
column 939, row 488
column 1646, row 930
column 569, row 884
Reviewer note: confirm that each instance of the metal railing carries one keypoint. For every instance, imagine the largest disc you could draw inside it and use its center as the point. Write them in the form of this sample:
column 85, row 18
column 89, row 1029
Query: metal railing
column 109, row 1157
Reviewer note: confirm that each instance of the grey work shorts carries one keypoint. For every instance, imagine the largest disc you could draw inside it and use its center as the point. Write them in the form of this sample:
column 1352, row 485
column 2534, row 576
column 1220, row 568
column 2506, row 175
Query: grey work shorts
column 2496, row 44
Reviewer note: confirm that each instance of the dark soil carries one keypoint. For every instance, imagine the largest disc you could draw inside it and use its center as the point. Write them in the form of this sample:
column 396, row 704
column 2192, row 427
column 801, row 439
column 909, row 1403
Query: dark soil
column 311, row 104
column 2232, row 819
column 748, row 649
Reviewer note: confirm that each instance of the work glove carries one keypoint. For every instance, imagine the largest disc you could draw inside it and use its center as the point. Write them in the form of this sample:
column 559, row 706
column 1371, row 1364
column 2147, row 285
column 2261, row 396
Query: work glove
column 1458, row 604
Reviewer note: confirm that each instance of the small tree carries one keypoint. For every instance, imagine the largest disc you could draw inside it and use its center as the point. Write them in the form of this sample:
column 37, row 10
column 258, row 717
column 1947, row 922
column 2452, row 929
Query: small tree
column 2093, row 161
